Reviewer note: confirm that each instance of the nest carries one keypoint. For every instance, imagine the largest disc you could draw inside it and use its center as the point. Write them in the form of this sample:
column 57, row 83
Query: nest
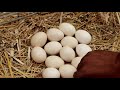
column 16, row 30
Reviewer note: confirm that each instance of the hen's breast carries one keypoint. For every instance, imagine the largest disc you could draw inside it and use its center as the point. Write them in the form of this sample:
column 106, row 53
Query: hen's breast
column 99, row 64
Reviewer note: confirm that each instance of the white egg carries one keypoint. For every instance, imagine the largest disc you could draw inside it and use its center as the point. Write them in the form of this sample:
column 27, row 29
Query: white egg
column 83, row 36
column 51, row 73
column 67, row 53
column 76, row 61
column 54, row 61
column 82, row 49
column 67, row 28
column 69, row 41
column 67, row 71
column 55, row 34
column 39, row 39
column 38, row 54
column 53, row 47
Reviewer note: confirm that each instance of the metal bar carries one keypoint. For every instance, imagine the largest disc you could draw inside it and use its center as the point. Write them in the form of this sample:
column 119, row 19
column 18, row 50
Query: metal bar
column 18, row 18
column 8, row 14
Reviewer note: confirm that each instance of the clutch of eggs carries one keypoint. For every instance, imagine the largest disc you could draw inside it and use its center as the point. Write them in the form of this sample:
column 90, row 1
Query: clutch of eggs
column 60, row 49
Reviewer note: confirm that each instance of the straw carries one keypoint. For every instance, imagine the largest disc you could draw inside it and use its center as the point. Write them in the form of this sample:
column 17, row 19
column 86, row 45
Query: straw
column 17, row 28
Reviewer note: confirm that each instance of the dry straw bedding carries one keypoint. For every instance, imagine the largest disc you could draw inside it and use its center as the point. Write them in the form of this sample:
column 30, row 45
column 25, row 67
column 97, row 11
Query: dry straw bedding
column 17, row 28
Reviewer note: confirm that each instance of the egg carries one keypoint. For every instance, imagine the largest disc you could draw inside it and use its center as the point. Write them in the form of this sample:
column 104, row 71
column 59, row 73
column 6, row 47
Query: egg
column 51, row 73
column 67, row 71
column 69, row 41
column 55, row 34
column 67, row 28
column 83, row 36
column 76, row 61
column 82, row 49
column 39, row 39
column 67, row 53
column 38, row 54
column 54, row 61
column 53, row 47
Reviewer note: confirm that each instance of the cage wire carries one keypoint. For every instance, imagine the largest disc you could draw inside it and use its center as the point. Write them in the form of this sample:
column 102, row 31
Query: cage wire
column 103, row 26
column 8, row 17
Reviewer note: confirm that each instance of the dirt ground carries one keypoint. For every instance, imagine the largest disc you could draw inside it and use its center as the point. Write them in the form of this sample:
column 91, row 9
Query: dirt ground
column 17, row 28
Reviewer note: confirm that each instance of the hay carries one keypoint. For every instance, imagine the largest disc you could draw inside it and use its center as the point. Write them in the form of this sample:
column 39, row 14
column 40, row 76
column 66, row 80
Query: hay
column 16, row 30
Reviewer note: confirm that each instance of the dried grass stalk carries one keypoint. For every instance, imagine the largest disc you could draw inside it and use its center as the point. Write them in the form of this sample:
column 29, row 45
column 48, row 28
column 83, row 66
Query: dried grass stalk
column 16, row 30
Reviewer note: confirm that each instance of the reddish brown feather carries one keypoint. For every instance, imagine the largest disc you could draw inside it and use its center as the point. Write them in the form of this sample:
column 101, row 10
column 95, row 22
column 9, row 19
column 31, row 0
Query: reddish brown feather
column 99, row 64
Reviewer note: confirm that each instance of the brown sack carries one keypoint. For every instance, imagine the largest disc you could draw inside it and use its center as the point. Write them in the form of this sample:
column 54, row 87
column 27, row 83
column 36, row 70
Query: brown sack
column 99, row 64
